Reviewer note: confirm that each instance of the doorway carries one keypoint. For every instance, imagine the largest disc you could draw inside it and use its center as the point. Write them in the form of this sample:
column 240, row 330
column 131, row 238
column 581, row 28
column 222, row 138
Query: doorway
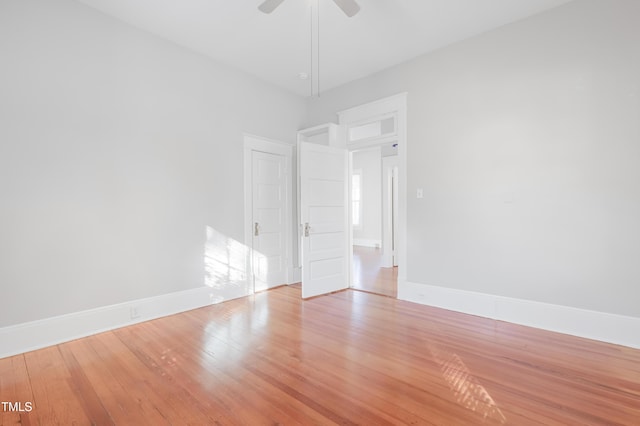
column 372, row 125
column 374, row 216
column 378, row 263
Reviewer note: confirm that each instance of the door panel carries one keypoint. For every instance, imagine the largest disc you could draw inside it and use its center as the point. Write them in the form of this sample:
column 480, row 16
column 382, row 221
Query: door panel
column 323, row 204
column 269, row 219
column 327, row 241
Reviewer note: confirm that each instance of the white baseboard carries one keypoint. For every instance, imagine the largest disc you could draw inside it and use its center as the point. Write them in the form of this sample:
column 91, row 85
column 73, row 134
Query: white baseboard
column 367, row 242
column 25, row 337
column 606, row 327
column 602, row 326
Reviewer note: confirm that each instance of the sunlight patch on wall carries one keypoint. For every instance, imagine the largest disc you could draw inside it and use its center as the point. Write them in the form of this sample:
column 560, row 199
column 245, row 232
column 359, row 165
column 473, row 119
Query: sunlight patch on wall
column 226, row 266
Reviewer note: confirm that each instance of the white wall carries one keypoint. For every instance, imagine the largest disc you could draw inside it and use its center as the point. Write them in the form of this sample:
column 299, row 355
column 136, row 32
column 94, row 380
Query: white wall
column 370, row 163
column 118, row 151
column 526, row 142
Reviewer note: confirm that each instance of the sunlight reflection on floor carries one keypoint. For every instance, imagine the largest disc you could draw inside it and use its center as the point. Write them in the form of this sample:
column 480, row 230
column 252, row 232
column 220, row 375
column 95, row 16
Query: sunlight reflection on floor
column 465, row 387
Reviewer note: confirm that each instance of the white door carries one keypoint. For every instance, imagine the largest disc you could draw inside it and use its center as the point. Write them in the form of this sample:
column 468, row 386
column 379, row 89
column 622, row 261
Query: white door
column 324, row 216
column 269, row 203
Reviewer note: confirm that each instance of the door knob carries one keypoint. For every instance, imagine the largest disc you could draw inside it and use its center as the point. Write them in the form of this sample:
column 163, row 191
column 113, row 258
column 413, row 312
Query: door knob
column 256, row 230
column 307, row 228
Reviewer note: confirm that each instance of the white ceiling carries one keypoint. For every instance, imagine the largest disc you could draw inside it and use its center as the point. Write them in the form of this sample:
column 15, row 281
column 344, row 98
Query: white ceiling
column 277, row 47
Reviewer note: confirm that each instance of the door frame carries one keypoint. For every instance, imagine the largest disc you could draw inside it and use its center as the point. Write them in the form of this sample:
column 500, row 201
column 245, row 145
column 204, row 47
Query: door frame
column 269, row 146
column 389, row 211
column 382, row 108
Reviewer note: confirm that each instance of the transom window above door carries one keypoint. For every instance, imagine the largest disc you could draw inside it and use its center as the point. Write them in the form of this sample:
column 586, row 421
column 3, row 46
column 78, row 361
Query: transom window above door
column 381, row 127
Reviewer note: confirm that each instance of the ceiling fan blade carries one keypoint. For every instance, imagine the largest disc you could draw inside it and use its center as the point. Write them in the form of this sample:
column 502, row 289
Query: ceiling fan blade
column 269, row 6
column 349, row 7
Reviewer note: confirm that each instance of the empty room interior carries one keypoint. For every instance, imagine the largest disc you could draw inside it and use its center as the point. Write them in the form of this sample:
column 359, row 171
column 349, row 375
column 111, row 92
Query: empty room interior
column 320, row 212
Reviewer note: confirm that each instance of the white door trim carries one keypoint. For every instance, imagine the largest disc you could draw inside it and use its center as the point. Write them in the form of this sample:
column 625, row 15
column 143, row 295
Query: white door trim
column 393, row 105
column 270, row 146
column 389, row 198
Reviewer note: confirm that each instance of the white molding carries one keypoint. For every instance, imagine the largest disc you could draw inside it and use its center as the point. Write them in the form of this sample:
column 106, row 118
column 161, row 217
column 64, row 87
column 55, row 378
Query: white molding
column 606, row 327
column 330, row 131
column 329, row 128
column 271, row 146
column 602, row 326
column 29, row 336
column 389, row 203
column 367, row 242
column 370, row 143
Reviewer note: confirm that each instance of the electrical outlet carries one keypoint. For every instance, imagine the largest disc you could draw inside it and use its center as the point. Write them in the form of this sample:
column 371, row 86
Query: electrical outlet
column 419, row 193
column 134, row 312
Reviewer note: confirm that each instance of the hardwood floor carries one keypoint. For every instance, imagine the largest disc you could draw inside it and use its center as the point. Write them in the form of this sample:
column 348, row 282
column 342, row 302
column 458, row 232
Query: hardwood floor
column 347, row 358
column 369, row 276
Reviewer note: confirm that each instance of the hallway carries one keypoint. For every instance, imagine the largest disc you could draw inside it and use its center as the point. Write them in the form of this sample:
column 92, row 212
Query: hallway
column 369, row 276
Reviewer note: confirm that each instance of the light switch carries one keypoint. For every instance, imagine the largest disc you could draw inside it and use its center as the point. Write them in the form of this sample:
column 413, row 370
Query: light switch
column 419, row 193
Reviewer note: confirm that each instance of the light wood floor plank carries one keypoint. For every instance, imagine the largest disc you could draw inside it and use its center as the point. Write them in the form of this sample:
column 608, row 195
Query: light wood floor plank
column 115, row 390
column 146, row 381
column 15, row 386
column 55, row 401
column 182, row 362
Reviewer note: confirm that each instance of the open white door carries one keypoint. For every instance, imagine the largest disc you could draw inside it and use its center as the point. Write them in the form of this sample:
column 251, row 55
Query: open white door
column 324, row 216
